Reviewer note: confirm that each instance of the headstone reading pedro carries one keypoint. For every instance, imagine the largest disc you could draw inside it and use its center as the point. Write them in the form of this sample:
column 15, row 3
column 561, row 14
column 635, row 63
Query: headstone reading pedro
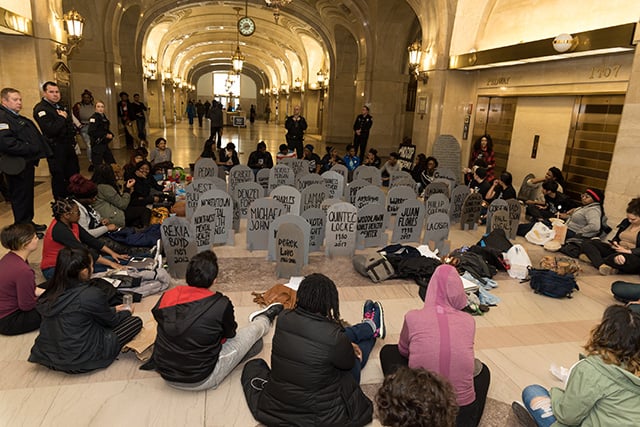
column 261, row 213
column 370, row 194
column 495, row 206
column 396, row 175
column 178, row 240
column 262, row 178
column 500, row 220
column 435, row 188
column 447, row 150
column 289, row 261
column 398, row 195
column 334, row 183
column 370, row 174
column 437, row 203
column 515, row 210
column 308, row 180
column 205, row 168
column 342, row 221
column 289, row 197
column 313, row 196
column 245, row 194
column 221, row 220
column 301, row 223
column 407, row 153
column 280, row 175
column 316, row 218
column 471, row 208
column 409, row 222
column 352, row 189
column 372, row 226
column 458, row 196
column 238, row 174
column 436, row 234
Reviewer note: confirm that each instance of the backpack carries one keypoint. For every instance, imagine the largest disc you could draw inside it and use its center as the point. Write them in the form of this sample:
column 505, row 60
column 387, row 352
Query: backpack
column 552, row 284
column 374, row 266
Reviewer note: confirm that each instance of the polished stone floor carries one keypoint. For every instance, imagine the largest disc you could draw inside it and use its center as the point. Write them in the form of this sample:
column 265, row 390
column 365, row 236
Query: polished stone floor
column 519, row 339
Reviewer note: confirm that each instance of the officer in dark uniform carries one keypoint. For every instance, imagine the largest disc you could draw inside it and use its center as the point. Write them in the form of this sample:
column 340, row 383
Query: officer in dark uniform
column 57, row 126
column 295, row 125
column 361, row 128
column 21, row 148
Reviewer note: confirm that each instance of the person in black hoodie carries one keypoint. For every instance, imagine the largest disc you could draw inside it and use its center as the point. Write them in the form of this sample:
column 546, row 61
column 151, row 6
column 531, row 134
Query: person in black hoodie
column 80, row 331
column 198, row 344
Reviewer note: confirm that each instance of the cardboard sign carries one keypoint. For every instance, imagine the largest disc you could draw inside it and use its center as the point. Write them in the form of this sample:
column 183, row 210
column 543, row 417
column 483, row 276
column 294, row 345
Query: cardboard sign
column 197, row 188
column 221, row 220
column 316, row 218
column 436, row 234
column 280, row 175
column 368, row 195
column 262, row 213
column 342, row 170
column 178, row 240
column 435, row 188
column 447, row 150
column 398, row 195
column 446, row 173
column 495, row 206
column 409, row 222
column 352, row 189
column 372, row 226
column 407, row 154
column 301, row 223
column 289, row 197
column 313, row 196
column 334, row 183
column 515, row 210
column 238, row 174
column 245, row 194
column 290, row 258
column 205, row 168
column 370, row 174
column 396, row 175
column 471, row 208
column 342, row 222
column 327, row 203
column 437, row 203
column 262, row 178
column 204, row 220
column 300, row 167
column 408, row 182
column 308, row 180
column 500, row 220
column 458, row 196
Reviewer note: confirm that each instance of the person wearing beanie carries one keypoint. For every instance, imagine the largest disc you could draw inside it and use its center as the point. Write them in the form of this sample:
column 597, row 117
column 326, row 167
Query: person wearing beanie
column 84, row 193
column 587, row 220
column 313, row 158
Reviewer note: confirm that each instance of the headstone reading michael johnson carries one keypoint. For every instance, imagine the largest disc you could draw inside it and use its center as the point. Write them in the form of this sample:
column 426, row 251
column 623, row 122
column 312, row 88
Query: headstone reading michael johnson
column 458, row 195
column 352, row 189
column 301, row 223
column 334, row 183
column 398, row 195
column 245, row 194
column 262, row 178
column 205, row 168
column 409, row 222
column 290, row 257
column 437, row 203
column 342, row 221
column 372, row 226
column 221, row 219
column 316, row 218
column 515, row 210
column 436, row 234
column 261, row 213
column 313, row 196
column 495, row 206
column 447, row 150
column 370, row 174
column 289, row 197
column 178, row 240
column 368, row 195
column 471, row 208
column 281, row 175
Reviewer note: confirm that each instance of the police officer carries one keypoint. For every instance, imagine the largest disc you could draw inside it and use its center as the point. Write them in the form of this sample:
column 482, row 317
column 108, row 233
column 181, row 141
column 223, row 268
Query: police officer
column 361, row 128
column 21, row 148
column 57, row 126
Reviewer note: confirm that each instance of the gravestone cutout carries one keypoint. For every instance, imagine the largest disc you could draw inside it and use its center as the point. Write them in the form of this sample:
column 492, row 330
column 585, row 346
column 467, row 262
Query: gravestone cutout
column 409, row 182
column 178, row 241
column 368, row 195
column 437, row 203
column 327, row 203
column 316, row 218
column 205, row 168
column 435, row 188
column 450, row 184
column 262, row 213
column 204, row 220
column 409, row 222
column 397, row 196
column 334, row 183
column 308, row 180
column 342, row 222
column 458, row 196
column 526, row 191
column 471, row 208
column 262, row 178
column 245, row 194
column 196, row 188
column 289, row 197
column 300, row 167
column 496, row 205
column 436, row 234
column 446, row 173
column 371, row 174
column 239, row 174
column 396, row 175
column 352, row 189
column 301, row 223
column 313, row 196
column 280, row 175
column 236, row 215
column 221, row 220
column 447, row 150
column 515, row 210
column 342, row 170
column 372, row 226
column 500, row 220
column 290, row 259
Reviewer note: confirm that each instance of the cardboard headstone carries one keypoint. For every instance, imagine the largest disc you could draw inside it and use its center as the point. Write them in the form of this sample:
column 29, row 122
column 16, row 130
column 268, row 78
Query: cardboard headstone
column 245, row 194
column 437, row 203
column 372, row 226
column 435, row 188
column 289, row 260
column 500, row 220
column 495, row 206
column 205, row 168
column 178, row 241
column 409, row 222
column 313, row 196
column 239, row 174
column 316, row 218
column 436, row 234
column 327, row 203
column 398, row 195
column 342, row 222
column 301, row 223
column 198, row 187
column 450, row 184
column 262, row 178
column 342, row 170
column 262, row 213
column 370, row 174
column 396, row 175
column 446, row 173
column 515, row 210
column 370, row 194
column 204, row 220
column 280, row 175
column 458, row 196
column 527, row 191
column 308, row 180
column 222, row 217
column 352, row 189
column 300, row 167
column 289, row 197
column 471, row 208
column 334, row 183
column 409, row 182
column 236, row 215
column 447, row 150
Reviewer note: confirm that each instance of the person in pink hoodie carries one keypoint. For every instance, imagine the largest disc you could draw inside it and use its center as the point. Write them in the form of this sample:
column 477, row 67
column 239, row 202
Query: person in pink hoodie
column 439, row 337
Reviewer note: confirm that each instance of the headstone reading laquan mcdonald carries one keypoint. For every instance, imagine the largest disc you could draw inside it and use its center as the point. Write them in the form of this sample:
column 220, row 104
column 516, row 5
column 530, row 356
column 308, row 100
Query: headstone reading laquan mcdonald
column 372, row 226
column 289, row 260
column 221, row 219
column 301, row 223
column 458, row 196
column 239, row 174
column 370, row 174
column 316, row 218
column 262, row 178
column 471, row 208
column 398, row 195
column 313, row 196
column 409, row 222
column 308, row 180
column 500, row 220
column 178, row 240
column 396, row 175
column 495, row 206
column 342, row 221
column 352, row 189
column 289, row 197
column 245, row 194
column 437, row 203
column 334, row 183
column 515, row 210
column 447, row 150
column 368, row 195
column 437, row 231
column 280, row 175
column 435, row 188
column 261, row 213
column 205, row 168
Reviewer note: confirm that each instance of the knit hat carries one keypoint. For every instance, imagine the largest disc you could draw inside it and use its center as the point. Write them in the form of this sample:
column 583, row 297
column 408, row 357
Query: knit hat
column 309, row 147
column 595, row 194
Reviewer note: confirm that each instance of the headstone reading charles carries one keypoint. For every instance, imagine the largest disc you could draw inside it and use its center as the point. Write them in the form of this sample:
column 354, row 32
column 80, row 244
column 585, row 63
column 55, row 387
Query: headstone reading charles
column 435, row 188
column 515, row 210
column 342, row 221
column 495, row 206
column 447, row 150
column 409, row 182
column 471, row 208
column 436, row 234
column 370, row 174
column 280, row 175
column 308, row 180
column 301, row 223
column 205, row 168
column 290, row 256
column 221, row 219
column 409, row 222
column 372, row 226
column 262, row 178
column 178, row 240
column 261, row 213
column 437, row 203
column 334, row 183
column 500, row 220
column 458, row 195
column 239, row 174
column 316, row 218
column 245, row 194
column 398, row 195
column 396, row 175
column 370, row 194
column 352, row 189
column 289, row 197
column 313, row 196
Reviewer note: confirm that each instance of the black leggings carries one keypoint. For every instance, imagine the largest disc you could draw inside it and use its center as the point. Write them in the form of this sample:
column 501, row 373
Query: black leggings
column 20, row 322
column 127, row 329
column 602, row 253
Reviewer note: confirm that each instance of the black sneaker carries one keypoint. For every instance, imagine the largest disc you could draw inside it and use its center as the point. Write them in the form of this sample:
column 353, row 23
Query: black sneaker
column 522, row 415
column 40, row 228
column 271, row 311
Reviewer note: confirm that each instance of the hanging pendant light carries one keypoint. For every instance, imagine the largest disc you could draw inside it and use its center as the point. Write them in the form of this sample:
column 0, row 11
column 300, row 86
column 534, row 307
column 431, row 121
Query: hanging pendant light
column 276, row 5
column 237, row 60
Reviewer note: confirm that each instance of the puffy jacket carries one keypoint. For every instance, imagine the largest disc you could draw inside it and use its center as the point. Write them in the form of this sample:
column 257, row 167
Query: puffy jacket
column 311, row 383
column 76, row 333
column 193, row 323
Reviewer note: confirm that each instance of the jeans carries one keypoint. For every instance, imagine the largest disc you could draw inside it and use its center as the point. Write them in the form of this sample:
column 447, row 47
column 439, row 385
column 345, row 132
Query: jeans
column 361, row 334
column 232, row 353
column 84, row 132
column 538, row 402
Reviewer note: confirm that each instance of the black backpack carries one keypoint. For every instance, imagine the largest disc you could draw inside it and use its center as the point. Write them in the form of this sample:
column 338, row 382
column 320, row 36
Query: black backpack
column 552, row 284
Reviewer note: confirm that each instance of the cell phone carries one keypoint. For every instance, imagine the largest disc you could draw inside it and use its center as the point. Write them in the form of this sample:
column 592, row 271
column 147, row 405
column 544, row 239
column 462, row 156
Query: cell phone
column 137, row 259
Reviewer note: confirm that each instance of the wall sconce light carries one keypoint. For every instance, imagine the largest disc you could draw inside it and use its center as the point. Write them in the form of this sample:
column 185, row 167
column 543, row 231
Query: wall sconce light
column 565, row 43
column 73, row 25
column 274, row 90
column 166, row 77
column 423, row 76
column 150, row 69
column 321, row 78
column 415, row 54
column 284, row 88
column 261, row 92
column 297, row 85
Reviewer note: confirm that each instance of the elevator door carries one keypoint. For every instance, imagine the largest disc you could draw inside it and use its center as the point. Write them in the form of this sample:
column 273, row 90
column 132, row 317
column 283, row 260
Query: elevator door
column 495, row 117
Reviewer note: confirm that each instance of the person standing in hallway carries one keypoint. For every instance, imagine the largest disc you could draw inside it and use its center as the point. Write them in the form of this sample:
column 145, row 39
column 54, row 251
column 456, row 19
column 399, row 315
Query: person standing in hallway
column 217, row 121
column 101, row 137
column 199, row 112
column 126, row 114
column 139, row 110
column 252, row 114
column 361, row 128
column 57, row 126
column 20, row 139
column 267, row 114
column 191, row 112
column 207, row 107
column 295, row 125
column 83, row 111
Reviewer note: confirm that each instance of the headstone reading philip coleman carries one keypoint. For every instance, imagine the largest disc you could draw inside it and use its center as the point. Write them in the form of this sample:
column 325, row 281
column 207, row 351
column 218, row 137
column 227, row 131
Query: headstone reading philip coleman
column 437, row 203
column 342, row 221
column 301, row 223
column 409, row 222
column 205, row 168
column 436, row 234
column 245, row 194
column 458, row 196
column 471, row 209
column 398, row 195
column 370, row 174
column 261, row 213
column 289, row 197
column 370, row 194
column 262, row 178
column 372, row 225
column 178, row 240
column 495, row 206
column 447, row 150
column 220, row 220
column 316, row 218
column 334, row 183
column 515, row 210
column 280, row 175
column 290, row 256
column 313, row 196
column 352, row 189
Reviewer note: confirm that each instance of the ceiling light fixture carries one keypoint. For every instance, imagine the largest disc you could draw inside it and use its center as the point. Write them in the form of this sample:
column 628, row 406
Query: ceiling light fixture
column 276, row 5
column 237, row 59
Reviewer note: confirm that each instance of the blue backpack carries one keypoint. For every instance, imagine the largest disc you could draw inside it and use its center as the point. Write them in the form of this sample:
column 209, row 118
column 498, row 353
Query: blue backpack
column 552, row 284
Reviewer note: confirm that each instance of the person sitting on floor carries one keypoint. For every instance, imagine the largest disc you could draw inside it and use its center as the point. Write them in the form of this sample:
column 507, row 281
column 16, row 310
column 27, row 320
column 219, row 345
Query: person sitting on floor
column 113, row 205
column 80, row 332
column 316, row 363
column 84, row 194
column 285, row 153
column 198, row 343
column 587, row 220
column 18, row 291
column 501, row 188
column 260, row 159
column 554, row 202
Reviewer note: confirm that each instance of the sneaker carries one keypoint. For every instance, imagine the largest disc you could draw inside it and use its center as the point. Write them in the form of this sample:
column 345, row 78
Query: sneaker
column 584, row 257
column 607, row 270
column 373, row 311
column 271, row 311
column 522, row 415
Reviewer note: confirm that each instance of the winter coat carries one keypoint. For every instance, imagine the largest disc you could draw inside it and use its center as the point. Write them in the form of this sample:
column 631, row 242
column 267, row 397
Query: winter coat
column 110, row 204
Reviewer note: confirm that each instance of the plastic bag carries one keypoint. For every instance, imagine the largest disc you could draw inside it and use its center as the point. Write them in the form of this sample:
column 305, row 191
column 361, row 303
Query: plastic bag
column 540, row 234
column 519, row 261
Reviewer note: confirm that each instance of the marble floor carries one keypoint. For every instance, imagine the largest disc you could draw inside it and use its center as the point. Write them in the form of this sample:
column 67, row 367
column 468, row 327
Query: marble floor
column 519, row 339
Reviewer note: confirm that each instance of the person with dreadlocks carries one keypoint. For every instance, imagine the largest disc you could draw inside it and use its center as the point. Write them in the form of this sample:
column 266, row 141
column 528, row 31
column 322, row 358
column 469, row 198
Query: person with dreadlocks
column 316, row 362
column 65, row 231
